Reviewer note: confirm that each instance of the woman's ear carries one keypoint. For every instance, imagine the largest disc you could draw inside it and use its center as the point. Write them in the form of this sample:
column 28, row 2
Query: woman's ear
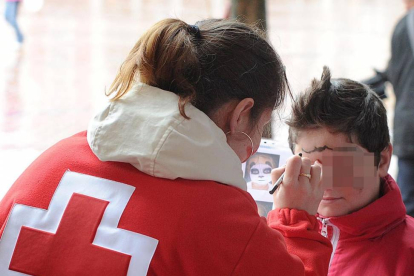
column 385, row 161
column 239, row 118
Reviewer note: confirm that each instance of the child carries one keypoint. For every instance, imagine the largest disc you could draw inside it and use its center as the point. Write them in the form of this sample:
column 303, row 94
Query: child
column 343, row 125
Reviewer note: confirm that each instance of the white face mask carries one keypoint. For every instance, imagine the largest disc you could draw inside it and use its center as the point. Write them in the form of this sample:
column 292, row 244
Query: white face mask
column 261, row 173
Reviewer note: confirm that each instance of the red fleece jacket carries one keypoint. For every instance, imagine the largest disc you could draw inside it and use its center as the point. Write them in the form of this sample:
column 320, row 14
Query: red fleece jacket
column 196, row 227
column 376, row 240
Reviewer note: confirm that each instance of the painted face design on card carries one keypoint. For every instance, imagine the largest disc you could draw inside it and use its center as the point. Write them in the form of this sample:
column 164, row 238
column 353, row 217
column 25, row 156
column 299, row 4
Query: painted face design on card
column 260, row 173
column 260, row 167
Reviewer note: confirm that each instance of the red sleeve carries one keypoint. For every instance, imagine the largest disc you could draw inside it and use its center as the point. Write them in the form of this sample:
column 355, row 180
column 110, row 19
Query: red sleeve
column 303, row 239
column 302, row 250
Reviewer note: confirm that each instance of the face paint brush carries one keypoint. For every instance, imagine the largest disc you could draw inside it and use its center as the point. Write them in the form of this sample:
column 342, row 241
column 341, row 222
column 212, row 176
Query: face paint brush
column 277, row 183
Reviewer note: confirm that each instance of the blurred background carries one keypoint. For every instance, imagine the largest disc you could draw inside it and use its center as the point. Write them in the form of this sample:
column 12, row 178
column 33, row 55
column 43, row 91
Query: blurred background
column 53, row 82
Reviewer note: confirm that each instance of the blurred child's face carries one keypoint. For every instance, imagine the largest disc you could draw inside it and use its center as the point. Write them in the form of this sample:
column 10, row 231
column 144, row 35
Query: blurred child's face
column 348, row 171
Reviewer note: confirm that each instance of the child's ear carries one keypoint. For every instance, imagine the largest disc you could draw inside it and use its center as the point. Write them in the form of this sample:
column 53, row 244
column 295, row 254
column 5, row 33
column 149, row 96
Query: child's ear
column 385, row 161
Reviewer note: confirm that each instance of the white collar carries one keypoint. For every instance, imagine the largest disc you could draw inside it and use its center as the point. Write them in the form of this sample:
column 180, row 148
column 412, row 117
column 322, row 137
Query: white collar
column 145, row 128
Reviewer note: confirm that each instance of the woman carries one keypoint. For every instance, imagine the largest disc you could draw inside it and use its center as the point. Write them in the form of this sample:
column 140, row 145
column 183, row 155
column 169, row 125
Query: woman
column 155, row 186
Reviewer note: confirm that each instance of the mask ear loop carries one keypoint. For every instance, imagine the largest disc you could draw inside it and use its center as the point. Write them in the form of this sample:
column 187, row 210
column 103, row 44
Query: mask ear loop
column 251, row 141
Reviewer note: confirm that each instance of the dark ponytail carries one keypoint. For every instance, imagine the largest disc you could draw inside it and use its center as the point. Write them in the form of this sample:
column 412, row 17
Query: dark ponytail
column 164, row 57
column 207, row 65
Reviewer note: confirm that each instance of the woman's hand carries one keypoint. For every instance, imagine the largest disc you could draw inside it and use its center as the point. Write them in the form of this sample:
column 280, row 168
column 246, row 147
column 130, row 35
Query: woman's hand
column 297, row 191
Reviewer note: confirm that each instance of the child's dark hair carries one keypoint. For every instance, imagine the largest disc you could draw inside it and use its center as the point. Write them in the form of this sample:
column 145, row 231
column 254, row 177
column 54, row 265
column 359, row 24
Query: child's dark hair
column 208, row 65
column 342, row 106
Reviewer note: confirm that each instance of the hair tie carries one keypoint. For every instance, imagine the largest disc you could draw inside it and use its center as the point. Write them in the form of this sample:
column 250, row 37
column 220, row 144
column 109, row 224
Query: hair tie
column 194, row 30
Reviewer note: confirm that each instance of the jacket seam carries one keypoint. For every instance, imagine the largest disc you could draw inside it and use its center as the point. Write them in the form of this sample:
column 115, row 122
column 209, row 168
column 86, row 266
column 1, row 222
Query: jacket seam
column 244, row 250
column 98, row 130
column 243, row 193
column 163, row 140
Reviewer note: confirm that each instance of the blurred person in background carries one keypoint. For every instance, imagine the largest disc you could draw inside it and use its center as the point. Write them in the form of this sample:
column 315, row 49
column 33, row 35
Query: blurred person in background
column 155, row 185
column 11, row 13
column 400, row 73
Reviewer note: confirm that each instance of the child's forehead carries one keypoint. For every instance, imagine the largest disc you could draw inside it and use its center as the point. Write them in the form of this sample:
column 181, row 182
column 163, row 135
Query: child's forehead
column 324, row 135
column 324, row 138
